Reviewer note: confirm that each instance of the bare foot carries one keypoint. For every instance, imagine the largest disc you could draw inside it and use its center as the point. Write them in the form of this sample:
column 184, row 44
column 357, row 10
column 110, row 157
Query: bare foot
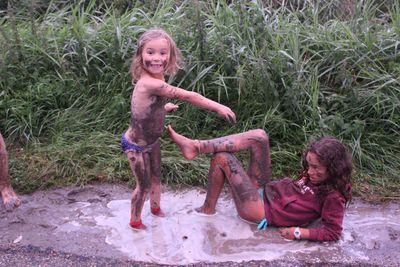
column 10, row 198
column 190, row 148
column 205, row 211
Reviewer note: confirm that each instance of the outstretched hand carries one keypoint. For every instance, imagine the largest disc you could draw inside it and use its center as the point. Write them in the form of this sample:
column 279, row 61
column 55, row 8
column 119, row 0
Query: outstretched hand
column 227, row 114
column 169, row 107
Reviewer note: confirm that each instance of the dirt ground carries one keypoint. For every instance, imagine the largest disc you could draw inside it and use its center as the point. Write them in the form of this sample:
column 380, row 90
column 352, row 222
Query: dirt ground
column 91, row 223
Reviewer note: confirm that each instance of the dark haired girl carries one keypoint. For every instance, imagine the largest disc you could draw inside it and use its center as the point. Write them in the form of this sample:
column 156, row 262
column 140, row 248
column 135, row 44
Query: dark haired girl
column 321, row 191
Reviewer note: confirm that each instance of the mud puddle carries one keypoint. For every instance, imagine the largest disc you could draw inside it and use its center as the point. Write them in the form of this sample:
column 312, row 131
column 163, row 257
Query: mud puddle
column 93, row 221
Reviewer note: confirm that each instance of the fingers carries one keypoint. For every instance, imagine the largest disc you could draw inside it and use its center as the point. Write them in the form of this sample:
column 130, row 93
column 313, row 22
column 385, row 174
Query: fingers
column 285, row 233
column 231, row 118
column 169, row 128
column 169, row 107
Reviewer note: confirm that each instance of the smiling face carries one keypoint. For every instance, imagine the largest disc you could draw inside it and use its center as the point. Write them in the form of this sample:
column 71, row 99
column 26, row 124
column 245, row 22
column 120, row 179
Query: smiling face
column 316, row 171
column 155, row 57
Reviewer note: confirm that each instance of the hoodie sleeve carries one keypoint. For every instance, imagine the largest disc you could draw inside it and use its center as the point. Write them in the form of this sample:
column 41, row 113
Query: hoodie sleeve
column 331, row 217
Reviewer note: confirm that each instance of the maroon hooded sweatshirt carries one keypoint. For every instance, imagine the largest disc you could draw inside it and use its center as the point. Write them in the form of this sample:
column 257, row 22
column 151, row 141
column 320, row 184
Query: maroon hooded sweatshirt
column 290, row 203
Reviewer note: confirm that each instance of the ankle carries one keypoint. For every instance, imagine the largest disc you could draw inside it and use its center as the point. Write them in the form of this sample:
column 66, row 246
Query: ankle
column 197, row 146
column 205, row 210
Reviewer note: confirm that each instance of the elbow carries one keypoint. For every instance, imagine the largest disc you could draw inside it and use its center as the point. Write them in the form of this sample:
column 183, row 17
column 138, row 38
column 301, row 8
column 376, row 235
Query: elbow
column 333, row 236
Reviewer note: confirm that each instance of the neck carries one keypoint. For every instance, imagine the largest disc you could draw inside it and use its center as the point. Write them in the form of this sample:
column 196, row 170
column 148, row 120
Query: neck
column 154, row 76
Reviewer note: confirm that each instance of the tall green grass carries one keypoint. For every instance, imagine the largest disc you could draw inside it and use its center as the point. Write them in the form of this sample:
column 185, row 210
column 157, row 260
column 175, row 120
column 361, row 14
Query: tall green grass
column 296, row 71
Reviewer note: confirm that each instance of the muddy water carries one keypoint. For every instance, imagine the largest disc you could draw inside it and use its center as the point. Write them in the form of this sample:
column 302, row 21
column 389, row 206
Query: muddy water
column 93, row 221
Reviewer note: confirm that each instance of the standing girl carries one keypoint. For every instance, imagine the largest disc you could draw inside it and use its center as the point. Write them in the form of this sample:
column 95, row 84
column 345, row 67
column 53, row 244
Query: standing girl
column 156, row 56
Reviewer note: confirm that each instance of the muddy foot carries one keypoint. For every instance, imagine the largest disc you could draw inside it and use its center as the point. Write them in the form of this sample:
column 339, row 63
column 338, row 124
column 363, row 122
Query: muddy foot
column 202, row 210
column 10, row 198
column 189, row 148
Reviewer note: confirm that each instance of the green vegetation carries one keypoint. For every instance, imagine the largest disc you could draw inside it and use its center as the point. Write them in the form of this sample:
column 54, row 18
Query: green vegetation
column 295, row 71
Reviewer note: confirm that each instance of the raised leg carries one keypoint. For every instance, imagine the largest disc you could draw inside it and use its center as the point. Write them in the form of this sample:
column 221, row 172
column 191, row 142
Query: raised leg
column 256, row 141
column 140, row 166
column 9, row 197
column 247, row 200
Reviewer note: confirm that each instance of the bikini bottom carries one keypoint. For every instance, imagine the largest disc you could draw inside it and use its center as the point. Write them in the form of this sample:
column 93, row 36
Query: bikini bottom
column 128, row 146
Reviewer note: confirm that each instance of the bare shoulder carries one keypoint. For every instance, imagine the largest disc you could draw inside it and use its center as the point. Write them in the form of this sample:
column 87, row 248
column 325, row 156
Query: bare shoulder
column 150, row 85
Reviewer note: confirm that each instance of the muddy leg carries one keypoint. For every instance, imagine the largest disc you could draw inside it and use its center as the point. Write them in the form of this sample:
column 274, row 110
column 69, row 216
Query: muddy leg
column 260, row 159
column 140, row 166
column 247, row 200
column 216, row 180
column 155, row 191
column 10, row 198
column 256, row 141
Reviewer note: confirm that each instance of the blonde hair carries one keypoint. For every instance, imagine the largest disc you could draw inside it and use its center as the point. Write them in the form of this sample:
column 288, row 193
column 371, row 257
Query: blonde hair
column 174, row 62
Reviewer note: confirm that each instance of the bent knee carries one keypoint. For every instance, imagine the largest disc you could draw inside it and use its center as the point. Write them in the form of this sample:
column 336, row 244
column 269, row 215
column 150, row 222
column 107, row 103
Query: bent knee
column 260, row 134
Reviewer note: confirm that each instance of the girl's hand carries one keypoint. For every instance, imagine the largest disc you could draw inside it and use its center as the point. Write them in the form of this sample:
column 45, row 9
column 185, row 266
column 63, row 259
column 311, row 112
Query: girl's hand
column 287, row 233
column 227, row 114
column 169, row 107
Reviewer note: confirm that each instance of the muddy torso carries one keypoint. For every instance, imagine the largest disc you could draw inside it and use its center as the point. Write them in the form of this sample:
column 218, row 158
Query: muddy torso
column 147, row 117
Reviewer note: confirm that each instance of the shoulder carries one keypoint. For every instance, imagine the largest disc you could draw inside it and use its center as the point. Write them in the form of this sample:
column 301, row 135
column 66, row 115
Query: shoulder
column 334, row 194
column 150, row 84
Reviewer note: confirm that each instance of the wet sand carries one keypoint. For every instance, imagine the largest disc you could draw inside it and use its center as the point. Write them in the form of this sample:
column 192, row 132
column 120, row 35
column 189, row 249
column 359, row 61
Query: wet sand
column 93, row 222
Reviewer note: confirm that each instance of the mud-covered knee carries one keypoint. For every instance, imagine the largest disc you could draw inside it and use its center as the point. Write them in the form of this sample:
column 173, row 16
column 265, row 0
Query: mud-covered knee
column 140, row 192
column 261, row 134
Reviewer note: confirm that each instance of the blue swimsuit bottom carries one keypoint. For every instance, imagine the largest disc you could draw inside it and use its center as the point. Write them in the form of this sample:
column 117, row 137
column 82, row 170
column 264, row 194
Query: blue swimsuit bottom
column 128, row 146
